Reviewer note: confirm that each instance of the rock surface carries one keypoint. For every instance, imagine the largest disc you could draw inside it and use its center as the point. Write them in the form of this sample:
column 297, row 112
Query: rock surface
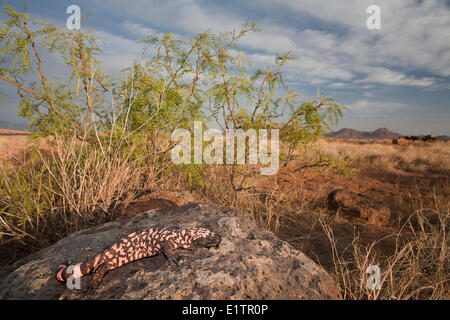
column 250, row 263
column 162, row 200
column 357, row 206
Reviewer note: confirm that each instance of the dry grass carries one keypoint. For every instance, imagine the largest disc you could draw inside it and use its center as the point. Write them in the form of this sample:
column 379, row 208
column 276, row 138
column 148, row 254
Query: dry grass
column 413, row 253
column 11, row 145
column 418, row 269
column 418, row 158
column 14, row 144
column 46, row 195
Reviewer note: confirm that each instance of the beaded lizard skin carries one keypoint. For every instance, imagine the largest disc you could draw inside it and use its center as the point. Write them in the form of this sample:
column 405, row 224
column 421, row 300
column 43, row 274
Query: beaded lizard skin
column 138, row 245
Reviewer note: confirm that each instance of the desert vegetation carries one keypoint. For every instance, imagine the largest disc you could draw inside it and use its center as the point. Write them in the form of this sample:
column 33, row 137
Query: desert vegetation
column 98, row 142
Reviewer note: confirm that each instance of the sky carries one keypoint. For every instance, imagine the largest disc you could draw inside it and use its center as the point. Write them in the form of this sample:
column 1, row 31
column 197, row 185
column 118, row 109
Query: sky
column 396, row 77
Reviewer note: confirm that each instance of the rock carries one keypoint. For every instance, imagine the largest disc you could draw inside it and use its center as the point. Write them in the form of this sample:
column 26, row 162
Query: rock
column 400, row 140
column 162, row 200
column 407, row 139
column 250, row 263
column 412, row 138
column 429, row 137
column 356, row 206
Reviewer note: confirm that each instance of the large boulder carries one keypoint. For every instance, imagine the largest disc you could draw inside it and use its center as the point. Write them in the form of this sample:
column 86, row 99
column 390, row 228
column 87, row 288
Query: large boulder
column 250, row 263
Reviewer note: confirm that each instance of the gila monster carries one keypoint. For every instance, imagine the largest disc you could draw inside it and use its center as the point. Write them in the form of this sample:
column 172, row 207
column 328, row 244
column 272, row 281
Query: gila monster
column 138, row 245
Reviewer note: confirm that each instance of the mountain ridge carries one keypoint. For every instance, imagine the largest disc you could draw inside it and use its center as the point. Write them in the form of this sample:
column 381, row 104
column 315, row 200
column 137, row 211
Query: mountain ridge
column 378, row 134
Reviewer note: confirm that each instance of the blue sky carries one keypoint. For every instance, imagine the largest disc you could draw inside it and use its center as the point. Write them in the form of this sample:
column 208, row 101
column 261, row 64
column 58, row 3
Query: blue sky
column 397, row 77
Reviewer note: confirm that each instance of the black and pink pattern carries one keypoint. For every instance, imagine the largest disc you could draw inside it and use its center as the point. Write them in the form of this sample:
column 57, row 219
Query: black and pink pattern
column 138, row 245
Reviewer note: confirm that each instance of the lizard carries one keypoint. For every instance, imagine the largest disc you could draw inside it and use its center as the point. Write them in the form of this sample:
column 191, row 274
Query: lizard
column 138, row 245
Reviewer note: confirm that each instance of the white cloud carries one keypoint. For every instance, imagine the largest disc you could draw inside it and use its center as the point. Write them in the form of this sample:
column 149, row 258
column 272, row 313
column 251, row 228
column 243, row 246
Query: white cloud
column 338, row 85
column 415, row 36
column 386, row 76
column 177, row 15
column 137, row 29
column 269, row 42
column 118, row 52
column 364, row 106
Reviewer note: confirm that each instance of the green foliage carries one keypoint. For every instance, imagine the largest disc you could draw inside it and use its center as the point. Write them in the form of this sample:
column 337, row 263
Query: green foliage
column 154, row 106
column 195, row 175
column 210, row 74
column 311, row 120
column 234, row 96
column 52, row 106
column 204, row 78
column 193, row 67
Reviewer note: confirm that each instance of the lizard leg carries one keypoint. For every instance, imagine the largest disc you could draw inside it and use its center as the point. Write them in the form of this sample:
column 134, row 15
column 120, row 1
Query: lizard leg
column 99, row 274
column 167, row 252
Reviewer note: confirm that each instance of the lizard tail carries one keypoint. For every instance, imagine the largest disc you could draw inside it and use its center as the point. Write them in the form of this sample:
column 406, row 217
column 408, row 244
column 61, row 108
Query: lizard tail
column 61, row 275
column 79, row 270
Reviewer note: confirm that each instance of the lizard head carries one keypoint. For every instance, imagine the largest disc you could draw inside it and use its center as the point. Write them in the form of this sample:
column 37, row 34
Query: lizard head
column 202, row 237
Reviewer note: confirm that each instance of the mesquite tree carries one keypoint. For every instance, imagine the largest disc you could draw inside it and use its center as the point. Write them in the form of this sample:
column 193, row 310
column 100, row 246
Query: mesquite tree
column 210, row 74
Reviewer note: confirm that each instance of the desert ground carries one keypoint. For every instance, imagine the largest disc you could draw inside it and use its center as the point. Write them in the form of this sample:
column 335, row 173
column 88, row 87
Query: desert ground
column 403, row 192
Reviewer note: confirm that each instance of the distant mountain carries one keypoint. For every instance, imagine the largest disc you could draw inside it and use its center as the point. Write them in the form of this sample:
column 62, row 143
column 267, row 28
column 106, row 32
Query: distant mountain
column 12, row 125
column 379, row 134
column 443, row 138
